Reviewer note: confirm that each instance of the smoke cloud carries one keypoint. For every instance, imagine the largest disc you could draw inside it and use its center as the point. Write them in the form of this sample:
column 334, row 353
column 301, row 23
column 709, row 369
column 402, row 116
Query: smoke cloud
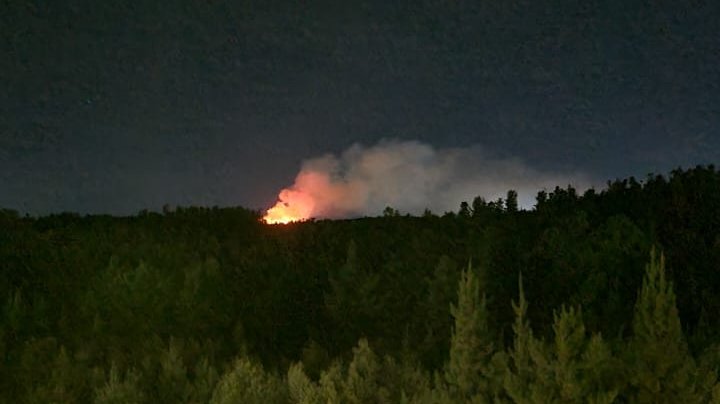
column 409, row 176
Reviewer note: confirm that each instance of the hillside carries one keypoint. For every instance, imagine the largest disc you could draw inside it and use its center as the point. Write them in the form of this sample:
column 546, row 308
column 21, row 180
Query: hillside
column 614, row 298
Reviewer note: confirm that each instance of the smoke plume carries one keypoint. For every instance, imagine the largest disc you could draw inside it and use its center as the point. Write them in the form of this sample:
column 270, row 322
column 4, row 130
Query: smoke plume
column 409, row 176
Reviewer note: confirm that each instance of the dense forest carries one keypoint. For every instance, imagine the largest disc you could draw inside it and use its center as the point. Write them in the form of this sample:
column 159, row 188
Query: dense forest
column 609, row 296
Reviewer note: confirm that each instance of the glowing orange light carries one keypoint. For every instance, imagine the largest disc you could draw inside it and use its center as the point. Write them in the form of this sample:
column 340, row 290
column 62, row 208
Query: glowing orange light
column 293, row 206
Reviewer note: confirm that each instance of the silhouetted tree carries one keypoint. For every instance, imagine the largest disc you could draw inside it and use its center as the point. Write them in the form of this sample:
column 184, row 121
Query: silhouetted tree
column 511, row 202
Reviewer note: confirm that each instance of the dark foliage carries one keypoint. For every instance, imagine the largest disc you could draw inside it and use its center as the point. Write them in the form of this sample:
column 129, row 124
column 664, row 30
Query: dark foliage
column 157, row 307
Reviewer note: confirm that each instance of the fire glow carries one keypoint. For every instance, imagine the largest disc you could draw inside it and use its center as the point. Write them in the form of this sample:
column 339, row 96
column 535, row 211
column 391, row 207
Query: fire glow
column 293, row 206
column 316, row 193
column 312, row 195
column 409, row 176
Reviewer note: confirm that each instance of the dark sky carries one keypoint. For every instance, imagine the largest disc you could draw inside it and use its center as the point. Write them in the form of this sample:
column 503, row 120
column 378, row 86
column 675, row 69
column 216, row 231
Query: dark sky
column 116, row 106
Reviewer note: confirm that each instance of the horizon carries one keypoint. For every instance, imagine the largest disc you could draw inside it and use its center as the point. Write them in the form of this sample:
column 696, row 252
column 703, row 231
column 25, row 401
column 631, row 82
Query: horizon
column 122, row 106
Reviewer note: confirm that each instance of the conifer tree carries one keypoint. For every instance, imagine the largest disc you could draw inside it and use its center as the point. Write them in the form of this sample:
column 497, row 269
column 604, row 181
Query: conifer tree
column 511, row 202
column 248, row 383
column 411, row 379
column 580, row 366
column 520, row 374
column 435, row 312
column 172, row 381
column 464, row 211
column 67, row 382
column 363, row 383
column 120, row 390
column 204, row 382
column 479, row 206
column 301, row 389
column 353, row 301
column 330, row 390
column 662, row 370
column 604, row 374
column 471, row 345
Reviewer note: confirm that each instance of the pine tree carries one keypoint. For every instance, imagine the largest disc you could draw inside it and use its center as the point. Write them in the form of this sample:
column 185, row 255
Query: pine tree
column 172, row 381
column 471, row 345
column 301, row 389
column 410, row 379
column 120, row 390
column 602, row 372
column 67, row 382
column 479, row 206
column 331, row 381
column 464, row 211
column 363, row 383
column 662, row 369
column 569, row 369
column 435, row 312
column 204, row 382
column 248, row 383
column 511, row 203
column 353, row 301
column 580, row 366
column 569, row 344
column 520, row 374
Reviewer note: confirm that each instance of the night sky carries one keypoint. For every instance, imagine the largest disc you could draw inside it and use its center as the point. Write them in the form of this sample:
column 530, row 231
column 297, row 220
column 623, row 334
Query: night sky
column 117, row 106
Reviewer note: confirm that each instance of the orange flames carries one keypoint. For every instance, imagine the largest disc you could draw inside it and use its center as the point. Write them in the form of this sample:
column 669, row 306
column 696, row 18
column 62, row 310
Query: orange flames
column 293, row 206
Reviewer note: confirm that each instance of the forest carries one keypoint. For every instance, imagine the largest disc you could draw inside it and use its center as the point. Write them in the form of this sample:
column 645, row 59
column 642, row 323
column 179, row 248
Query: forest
column 609, row 296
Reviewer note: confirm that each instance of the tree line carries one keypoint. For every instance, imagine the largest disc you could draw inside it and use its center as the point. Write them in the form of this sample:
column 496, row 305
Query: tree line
column 608, row 296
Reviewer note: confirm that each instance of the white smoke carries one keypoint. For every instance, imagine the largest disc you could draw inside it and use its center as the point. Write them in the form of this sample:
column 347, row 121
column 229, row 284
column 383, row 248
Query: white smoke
column 411, row 176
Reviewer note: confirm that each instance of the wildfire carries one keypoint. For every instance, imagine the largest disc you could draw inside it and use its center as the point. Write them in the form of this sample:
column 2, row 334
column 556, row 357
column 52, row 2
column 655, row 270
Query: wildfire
column 293, row 206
